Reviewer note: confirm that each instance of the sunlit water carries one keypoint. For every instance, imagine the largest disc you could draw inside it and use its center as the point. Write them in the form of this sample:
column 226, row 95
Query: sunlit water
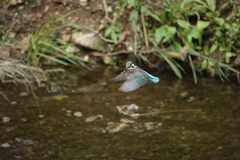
column 196, row 121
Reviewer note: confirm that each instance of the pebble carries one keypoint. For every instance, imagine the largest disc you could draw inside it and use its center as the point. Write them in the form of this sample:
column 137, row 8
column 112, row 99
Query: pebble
column 6, row 145
column 149, row 125
column 77, row 114
column 23, row 94
column 93, row 118
column 6, row 119
column 13, row 102
column 191, row 99
column 184, row 94
column 68, row 111
column 24, row 119
column 41, row 116
column 125, row 120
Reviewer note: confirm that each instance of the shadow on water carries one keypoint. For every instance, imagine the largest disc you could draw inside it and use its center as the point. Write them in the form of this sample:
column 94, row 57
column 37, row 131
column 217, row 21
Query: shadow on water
column 203, row 122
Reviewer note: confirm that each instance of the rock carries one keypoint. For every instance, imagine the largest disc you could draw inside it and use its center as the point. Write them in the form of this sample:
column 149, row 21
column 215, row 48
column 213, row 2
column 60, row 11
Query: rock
column 89, row 40
column 5, row 145
column 13, row 2
column 11, row 34
column 191, row 99
column 83, row 2
column 72, row 49
column 184, row 94
column 93, row 118
column 149, row 125
column 77, row 114
column 6, row 119
column 65, row 37
column 125, row 120
column 19, row 1
column 68, row 111
column 13, row 102
column 41, row 116
column 24, row 119
column 24, row 141
column 23, row 94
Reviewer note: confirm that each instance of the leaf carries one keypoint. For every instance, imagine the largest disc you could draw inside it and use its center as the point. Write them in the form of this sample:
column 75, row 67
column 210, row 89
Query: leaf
column 220, row 21
column 171, row 63
column 227, row 26
column 199, row 8
column 114, row 37
column 164, row 31
column 131, row 2
column 183, row 24
column 193, row 69
column 159, row 33
column 143, row 9
column 195, row 34
column 228, row 55
column 133, row 18
column 202, row 25
column 60, row 97
column 206, row 49
column 204, row 64
column 149, row 13
column 174, row 67
column 213, row 48
column 171, row 30
column 107, row 32
column 212, row 5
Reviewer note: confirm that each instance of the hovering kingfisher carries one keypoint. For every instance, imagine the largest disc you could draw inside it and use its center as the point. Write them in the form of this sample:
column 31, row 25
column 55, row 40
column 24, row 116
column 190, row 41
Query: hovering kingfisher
column 135, row 78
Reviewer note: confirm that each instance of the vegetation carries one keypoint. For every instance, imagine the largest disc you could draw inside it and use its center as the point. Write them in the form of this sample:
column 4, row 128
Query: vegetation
column 42, row 45
column 196, row 32
column 16, row 72
column 200, row 33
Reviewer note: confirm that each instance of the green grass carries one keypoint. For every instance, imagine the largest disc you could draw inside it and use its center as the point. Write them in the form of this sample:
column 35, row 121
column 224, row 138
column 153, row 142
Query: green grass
column 43, row 47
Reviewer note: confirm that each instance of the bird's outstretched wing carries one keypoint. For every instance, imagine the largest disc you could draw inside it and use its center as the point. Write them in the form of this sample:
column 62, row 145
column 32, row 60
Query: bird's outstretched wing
column 134, row 81
column 121, row 77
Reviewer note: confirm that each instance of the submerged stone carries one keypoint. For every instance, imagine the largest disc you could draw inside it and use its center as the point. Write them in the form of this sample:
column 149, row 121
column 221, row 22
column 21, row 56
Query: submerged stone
column 125, row 120
column 6, row 119
column 5, row 145
column 77, row 114
column 93, row 118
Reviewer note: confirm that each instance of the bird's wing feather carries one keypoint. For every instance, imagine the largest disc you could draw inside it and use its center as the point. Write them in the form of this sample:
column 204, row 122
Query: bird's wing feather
column 121, row 77
column 134, row 81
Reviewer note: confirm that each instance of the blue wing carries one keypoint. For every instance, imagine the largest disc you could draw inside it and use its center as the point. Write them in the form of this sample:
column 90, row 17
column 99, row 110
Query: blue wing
column 133, row 82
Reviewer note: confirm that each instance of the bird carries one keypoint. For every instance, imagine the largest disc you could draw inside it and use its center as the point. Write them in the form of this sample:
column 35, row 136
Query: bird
column 135, row 78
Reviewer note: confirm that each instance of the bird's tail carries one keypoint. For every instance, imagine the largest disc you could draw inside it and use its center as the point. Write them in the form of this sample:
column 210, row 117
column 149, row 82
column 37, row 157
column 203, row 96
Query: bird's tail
column 152, row 78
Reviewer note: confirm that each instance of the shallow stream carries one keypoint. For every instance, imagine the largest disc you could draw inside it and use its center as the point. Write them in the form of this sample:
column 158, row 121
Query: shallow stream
column 193, row 121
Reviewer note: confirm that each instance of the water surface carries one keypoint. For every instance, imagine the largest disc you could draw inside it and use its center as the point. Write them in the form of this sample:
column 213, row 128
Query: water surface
column 201, row 122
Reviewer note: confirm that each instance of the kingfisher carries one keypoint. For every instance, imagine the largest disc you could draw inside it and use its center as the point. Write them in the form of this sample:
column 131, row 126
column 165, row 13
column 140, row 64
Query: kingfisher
column 135, row 77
